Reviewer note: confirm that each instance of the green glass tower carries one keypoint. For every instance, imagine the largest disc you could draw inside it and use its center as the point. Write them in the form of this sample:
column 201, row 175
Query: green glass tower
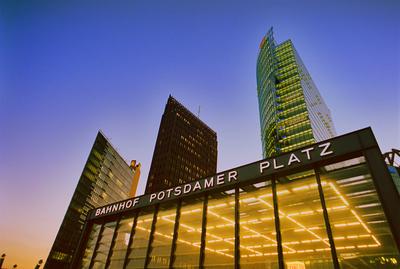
column 292, row 111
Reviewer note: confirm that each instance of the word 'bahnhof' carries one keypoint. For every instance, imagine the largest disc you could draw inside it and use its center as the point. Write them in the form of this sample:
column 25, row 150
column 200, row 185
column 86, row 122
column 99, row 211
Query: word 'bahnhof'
column 324, row 206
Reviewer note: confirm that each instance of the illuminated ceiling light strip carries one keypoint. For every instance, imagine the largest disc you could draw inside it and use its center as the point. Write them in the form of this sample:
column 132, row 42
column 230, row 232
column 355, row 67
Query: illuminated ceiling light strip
column 296, row 222
column 249, row 248
column 360, row 220
column 219, row 239
column 186, row 242
column 376, row 240
column 355, row 183
column 355, row 214
column 338, row 193
column 245, row 227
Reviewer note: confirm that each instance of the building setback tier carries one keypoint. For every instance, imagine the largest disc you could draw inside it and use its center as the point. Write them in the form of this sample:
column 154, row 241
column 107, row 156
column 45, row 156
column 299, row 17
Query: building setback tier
column 328, row 205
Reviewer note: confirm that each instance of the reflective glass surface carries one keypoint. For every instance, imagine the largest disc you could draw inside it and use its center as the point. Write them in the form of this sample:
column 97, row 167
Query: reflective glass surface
column 162, row 239
column 120, row 245
column 360, row 230
column 90, row 245
column 220, row 231
column 187, row 252
column 305, row 242
column 140, row 239
column 103, row 247
column 258, row 245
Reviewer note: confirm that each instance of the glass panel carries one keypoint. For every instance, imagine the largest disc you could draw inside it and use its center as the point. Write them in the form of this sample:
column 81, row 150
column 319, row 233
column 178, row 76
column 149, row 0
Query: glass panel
column 187, row 252
column 100, row 256
column 120, row 247
column 258, row 246
column 163, row 233
column 140, row 240
column 304, row 240
column 220, row 234
column 360, row 230
column 91, row 243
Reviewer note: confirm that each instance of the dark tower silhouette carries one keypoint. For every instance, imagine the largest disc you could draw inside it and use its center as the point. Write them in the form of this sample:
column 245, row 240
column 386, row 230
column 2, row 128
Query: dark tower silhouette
column 185, row 150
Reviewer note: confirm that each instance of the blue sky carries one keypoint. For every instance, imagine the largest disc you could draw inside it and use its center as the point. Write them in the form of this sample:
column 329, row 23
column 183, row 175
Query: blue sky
column 70, row 68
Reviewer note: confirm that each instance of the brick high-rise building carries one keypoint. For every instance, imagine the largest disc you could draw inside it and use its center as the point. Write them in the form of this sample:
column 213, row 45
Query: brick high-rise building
column 185, row 150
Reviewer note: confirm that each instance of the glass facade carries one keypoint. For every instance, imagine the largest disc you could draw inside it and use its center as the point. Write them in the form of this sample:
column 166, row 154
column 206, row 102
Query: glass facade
column 120, row 244
column 327, row 216
column 91, row 243
column 258, row 244
column 187, row 251
column 304, row 238
column 359, row 227
column 292, row 111
column 106, row 178
column 103, row 245
column 161, row 244
column 139, row 242
column 220, row 231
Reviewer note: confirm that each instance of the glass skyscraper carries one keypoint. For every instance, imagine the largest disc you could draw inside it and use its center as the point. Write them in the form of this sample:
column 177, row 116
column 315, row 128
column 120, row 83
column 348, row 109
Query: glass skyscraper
column 106, row 178
column 292, row 111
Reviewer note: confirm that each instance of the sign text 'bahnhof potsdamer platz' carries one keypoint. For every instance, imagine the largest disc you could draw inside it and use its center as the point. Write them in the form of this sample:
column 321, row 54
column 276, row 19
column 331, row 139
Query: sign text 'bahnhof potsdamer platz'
column 328, row 205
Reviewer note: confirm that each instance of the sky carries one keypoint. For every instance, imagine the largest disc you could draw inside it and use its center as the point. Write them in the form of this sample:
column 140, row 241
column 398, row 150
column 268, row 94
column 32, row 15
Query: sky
column 70, row 68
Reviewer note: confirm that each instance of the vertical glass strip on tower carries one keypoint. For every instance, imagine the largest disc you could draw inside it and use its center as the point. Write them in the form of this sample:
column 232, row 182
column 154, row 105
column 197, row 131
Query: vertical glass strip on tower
column 292, row 112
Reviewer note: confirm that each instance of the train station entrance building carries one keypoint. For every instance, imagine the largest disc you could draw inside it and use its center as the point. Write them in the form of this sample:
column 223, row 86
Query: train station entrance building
column 329, row 205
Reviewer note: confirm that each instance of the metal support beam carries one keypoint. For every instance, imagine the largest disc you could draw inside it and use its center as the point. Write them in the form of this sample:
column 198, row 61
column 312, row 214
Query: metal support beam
column 387, row 191
column 97, row 245
column 203, row 232
column 327, row 222
column 151, row 237
column 87, row 228
column 112, row 242
column 175, row 236
column 277, row 226
column 132, row 233
column 237, row 228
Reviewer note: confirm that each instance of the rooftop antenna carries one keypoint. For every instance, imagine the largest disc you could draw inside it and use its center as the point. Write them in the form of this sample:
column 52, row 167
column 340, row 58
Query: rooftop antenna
column 198, row 113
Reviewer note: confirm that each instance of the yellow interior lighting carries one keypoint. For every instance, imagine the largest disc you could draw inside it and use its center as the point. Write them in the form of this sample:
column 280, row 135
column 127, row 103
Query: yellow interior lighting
column 288, row 246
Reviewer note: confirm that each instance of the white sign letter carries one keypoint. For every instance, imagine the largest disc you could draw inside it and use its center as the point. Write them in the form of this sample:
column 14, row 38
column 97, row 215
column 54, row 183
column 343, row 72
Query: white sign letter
column 307, row 151
column 152, row 197
column 264, row 165
column 293, row 158
column 325, row 148
column 232, row 175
